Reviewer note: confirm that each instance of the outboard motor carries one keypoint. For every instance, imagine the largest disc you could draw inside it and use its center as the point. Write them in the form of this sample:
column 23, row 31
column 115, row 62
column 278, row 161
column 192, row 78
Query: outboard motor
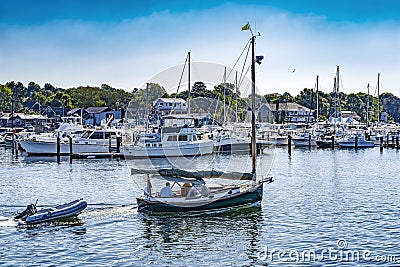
column 30, row 210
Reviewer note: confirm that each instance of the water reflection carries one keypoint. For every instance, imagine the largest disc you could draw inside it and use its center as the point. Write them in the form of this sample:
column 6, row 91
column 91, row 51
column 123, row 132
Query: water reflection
column 235, row 231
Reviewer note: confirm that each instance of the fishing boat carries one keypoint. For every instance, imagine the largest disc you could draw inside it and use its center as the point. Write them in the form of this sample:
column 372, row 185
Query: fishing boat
column 32, row 216
column 193, row 193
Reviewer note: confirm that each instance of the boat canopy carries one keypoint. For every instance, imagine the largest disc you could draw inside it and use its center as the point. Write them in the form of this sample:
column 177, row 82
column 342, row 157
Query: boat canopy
column 198, row 175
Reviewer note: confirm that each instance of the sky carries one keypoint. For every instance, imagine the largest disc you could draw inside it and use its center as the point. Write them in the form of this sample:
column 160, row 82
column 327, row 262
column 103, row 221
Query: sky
column 127, row 43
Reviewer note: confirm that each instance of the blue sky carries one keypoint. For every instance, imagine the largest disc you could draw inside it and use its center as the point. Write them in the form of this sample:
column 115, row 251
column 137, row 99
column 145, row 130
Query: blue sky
column 125, row 43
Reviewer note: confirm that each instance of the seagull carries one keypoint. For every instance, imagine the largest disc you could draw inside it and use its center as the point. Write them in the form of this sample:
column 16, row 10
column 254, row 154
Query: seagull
column 293, row 70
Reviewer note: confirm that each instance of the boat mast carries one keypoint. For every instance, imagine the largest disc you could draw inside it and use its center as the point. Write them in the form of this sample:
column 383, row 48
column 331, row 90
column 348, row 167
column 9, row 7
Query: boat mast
column 236, row 86
column 317, row 99
column 189, row 83
column 224, row 96
column 337, row 112
column 253, row 108
column 147, row 106
column 367, row 104
column 379, row 104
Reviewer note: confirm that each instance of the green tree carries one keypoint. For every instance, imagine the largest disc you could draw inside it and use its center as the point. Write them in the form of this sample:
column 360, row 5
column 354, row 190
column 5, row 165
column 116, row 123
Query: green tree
column 5, row 98
column 18, row 95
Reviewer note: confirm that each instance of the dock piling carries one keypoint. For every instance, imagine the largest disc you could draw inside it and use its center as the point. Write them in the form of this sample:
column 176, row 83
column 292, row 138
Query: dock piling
column 119, row 141
column 290, row 144
column 70, row 149
column 58, row 148
column 356, row 143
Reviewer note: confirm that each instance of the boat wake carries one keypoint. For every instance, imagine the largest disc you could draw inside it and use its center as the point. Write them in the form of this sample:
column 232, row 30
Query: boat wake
column 7, row 222
column 108, row 211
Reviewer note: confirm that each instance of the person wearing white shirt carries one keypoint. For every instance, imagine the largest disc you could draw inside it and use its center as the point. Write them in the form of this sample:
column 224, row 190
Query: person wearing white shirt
column 166, row 191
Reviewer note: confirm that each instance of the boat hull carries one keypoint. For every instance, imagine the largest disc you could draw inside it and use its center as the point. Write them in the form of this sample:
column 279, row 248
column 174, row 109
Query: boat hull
column 366, row 144
column 248, row 197
column 185, row 150
column 59, row 212
column 243, row 147
column 50, row 148
column 304, row 142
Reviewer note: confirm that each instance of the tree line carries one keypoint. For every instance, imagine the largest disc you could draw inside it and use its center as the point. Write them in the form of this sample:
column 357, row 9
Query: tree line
column 24, row 98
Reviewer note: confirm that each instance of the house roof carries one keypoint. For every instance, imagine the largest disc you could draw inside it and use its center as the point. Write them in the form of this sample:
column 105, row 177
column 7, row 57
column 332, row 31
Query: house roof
column 96, row 110
column 170, row 100
column 73, row 111
column 23, row 116
column 348, row 113
column 287, row 106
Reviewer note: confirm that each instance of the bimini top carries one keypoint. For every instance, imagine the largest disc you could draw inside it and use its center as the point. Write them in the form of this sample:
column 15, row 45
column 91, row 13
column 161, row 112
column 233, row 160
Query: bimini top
column 198, row 175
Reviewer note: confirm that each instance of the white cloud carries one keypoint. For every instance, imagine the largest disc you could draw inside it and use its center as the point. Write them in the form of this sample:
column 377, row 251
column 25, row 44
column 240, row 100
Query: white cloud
column 126, row 54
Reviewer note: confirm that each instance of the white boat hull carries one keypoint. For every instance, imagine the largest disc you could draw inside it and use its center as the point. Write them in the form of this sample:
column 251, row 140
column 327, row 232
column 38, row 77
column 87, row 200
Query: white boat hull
column 181, row 150
column 50, row 148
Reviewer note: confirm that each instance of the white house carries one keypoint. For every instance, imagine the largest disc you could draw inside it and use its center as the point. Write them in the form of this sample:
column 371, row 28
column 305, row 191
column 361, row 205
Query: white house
column 293, row 112
column 166, row 105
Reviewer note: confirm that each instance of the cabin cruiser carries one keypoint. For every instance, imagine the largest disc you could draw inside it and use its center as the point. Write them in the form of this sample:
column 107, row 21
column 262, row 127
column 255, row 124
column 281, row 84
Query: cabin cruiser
column 90, row 141
column 176, row 137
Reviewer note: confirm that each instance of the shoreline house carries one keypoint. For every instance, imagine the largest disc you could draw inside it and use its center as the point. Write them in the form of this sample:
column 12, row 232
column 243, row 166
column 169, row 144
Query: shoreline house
column 290, row 112
column 96, row 116
column 164, row 106
column 21, row 120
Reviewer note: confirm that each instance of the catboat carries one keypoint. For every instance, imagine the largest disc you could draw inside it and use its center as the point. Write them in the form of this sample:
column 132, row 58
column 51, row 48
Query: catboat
column 32, row 216
column 194, row 194
column 197, row 196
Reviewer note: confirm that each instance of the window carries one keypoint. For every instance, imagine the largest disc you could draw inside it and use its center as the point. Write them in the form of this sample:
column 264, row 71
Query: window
column 96, row 135
column 172, row 138
column 86, row 134
column 183, row 138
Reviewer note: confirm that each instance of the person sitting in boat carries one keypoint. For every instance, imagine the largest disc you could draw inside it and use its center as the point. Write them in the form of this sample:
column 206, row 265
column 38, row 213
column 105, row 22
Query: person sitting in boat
column 194, row 192
column 166, row 191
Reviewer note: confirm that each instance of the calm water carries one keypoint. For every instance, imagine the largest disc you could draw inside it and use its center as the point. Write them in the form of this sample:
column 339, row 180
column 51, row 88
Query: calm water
column 330, row 203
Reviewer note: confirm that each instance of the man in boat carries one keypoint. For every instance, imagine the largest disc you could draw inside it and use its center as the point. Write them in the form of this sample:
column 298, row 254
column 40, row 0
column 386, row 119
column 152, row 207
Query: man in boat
column 166, row 191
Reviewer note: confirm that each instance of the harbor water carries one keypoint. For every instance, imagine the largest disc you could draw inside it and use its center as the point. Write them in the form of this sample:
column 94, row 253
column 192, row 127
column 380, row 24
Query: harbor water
column 325, row 208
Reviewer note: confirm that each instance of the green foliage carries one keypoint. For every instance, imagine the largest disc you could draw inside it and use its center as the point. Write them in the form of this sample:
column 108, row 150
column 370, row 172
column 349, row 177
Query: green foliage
column 5, row 98
column 105, row 95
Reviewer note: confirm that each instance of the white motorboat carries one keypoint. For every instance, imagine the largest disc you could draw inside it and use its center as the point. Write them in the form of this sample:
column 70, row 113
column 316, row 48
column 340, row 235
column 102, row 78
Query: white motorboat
column 90, row 141
column 355, row 141
column 304, row 140
column 224, row 142
column 32, row 216
column 171, row 142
